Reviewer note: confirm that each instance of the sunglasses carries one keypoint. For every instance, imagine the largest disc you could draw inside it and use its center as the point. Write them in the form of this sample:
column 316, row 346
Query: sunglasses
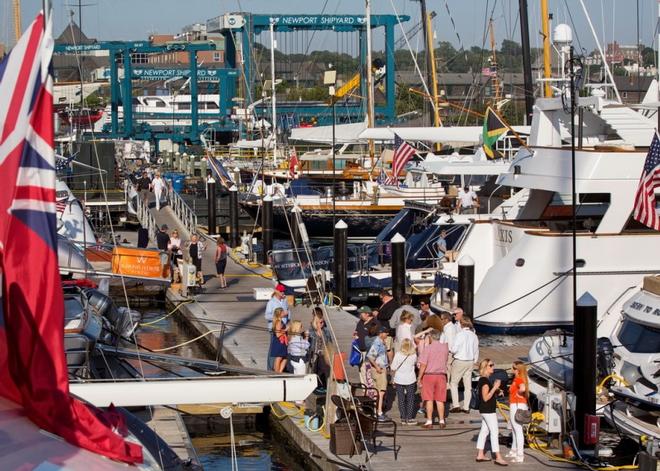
column 491, row 364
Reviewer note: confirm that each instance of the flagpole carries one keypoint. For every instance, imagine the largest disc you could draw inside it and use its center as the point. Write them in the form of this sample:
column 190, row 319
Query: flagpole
column 45, row 4
column 573, row 189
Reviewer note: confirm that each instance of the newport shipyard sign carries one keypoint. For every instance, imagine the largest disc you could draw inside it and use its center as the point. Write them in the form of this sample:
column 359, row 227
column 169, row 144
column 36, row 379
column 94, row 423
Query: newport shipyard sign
column 203, row 75
column 317, row 20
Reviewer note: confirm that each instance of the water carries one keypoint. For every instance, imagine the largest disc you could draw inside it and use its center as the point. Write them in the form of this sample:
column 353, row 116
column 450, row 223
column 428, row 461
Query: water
column 257, row 448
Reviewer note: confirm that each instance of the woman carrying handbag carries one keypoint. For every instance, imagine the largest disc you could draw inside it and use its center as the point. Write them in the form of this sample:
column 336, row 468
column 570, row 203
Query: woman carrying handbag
column 519, row 411
column 403, row 366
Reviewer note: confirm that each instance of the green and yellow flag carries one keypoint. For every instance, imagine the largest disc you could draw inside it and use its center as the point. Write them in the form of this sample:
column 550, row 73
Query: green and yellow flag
column 494, row 127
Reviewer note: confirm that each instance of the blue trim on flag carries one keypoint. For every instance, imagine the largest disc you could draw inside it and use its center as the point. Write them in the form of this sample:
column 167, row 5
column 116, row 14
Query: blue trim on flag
column 41, row 223
column 35, row 91
column 3, row 66
column 33, row 159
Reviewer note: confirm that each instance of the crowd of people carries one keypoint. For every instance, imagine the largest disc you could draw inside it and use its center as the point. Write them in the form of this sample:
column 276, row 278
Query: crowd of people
column 193, row 251
column 422, row 356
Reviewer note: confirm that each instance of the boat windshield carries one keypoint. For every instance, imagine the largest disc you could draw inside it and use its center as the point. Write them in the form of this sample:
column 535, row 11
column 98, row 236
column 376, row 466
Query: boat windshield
column 639, row 338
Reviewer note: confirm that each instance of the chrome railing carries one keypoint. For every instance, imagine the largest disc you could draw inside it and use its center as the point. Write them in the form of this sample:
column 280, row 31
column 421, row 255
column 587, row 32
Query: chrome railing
column 145, row 217
column 182, row 211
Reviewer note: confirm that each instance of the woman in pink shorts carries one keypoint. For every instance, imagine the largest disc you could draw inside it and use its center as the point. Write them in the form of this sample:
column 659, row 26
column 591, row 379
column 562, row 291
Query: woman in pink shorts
column 432, row 378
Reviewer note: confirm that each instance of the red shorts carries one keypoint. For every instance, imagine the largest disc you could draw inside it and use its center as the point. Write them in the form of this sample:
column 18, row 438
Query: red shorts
column 434, row 387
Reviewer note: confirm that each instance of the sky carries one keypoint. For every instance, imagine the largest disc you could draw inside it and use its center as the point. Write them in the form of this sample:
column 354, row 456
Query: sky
column 137, row 19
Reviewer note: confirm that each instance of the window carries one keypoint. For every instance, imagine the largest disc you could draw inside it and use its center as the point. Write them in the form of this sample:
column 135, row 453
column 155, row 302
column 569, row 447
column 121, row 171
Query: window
column 590, row 209
column 639, row 338
column 210, row 105
column 183, row 106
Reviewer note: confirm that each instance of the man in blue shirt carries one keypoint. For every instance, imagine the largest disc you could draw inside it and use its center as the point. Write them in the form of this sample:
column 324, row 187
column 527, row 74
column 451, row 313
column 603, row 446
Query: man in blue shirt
column 379, row 360
column 278, row 299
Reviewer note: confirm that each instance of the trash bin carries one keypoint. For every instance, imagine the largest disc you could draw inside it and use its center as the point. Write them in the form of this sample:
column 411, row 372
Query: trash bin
column 176, row 179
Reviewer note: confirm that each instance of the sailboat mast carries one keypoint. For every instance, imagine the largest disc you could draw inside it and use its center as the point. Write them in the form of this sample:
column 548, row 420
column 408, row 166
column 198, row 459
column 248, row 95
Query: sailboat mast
column 433, row 74
column 428, row 40
column 370, row 85
column 273, row 100
column 527, row 61
column 547, row 69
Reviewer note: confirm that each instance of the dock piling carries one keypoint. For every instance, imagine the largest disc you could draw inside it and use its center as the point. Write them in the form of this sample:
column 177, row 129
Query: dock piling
column 466, row 285
column 341, row 262
column 584, row 362
column 210, row 195
column 233, row 216
column 398, row 266
column 266, row 228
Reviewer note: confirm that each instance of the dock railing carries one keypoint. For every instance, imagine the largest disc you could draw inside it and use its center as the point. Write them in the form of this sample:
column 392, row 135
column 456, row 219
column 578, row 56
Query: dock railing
column 145, row 217
column 183, row 212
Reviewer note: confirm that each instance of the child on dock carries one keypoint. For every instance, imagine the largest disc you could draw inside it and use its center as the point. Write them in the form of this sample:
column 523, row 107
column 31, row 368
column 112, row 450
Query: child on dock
column 196, row 251
column 297, row 348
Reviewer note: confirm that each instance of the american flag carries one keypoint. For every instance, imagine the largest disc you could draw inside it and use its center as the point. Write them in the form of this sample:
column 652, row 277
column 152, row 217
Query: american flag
column 33, row 369
column 61, row 204
column 645, row 211
column 62, row 163
column 403, row 152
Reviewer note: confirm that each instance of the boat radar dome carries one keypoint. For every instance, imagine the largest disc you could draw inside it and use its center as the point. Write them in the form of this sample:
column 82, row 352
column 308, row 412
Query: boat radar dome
column 562, row 35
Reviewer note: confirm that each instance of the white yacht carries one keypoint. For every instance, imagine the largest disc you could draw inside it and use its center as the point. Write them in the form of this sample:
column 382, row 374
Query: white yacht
column 523, row 265
column 169, row 110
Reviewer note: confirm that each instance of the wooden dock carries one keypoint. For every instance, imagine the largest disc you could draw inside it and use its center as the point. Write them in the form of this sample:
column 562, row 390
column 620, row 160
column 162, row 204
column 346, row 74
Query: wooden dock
column 235, row 324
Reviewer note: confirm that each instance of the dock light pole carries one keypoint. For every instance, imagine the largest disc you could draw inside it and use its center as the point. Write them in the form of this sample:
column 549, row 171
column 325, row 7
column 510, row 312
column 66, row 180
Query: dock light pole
column 398, row 266
column 267, row 228
column 210, row 195
column 341, row 262
column 233, row 216
column 330, row 79
column 584, row 363
column 466, row 285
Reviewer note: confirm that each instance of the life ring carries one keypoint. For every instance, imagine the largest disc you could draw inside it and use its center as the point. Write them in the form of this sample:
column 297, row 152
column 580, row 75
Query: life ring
column 160, row 161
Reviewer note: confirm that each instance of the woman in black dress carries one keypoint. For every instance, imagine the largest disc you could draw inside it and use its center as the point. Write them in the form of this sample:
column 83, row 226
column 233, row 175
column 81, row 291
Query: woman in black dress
column 221, row 261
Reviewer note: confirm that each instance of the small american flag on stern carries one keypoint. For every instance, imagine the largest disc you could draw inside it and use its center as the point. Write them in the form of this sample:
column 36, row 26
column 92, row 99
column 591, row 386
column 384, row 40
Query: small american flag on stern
column 645, row 210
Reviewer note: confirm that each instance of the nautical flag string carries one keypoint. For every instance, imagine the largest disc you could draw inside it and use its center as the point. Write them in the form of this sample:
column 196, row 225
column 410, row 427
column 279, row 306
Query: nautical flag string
column 645, row 205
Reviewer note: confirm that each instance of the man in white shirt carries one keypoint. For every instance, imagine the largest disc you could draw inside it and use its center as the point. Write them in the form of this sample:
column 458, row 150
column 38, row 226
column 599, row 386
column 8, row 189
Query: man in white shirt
column 467, row 201
column 158, row 185
column 466, row 353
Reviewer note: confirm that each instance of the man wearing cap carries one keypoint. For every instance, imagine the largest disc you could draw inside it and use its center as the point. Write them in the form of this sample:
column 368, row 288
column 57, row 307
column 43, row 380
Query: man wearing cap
column 361, row 333
column 143, row 184
column 162, row 237
column 278, row 299
column 377, row 356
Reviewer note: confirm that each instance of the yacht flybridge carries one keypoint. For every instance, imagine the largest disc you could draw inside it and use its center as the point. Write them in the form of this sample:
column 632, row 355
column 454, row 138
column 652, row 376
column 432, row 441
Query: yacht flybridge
column 523, row 265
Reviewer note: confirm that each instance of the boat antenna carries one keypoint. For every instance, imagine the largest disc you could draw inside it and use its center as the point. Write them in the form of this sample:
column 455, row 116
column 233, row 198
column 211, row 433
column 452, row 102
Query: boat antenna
column 527, row 62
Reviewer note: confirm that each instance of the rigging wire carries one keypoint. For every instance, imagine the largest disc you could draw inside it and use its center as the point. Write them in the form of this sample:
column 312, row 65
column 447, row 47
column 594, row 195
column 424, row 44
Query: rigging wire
column 107, row 208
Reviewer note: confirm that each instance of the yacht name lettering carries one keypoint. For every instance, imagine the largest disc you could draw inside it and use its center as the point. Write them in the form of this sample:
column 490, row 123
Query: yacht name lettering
column 505, row 236
column 643, row 307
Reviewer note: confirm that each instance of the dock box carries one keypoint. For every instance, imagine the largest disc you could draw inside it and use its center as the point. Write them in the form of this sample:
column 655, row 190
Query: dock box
column 262, row 294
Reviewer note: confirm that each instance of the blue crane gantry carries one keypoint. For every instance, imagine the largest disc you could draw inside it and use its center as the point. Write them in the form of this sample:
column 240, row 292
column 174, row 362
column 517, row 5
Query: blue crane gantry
column 247, row 26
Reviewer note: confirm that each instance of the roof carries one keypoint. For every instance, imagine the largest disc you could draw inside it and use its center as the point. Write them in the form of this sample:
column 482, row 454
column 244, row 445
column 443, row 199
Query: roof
column 72, row 34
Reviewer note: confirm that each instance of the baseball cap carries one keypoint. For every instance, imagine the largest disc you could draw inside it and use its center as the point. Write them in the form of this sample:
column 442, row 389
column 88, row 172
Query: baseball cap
column 366, row 309
column 280, row 287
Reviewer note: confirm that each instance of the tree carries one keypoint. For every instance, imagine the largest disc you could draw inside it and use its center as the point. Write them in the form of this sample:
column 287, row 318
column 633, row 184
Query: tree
column 648, row 57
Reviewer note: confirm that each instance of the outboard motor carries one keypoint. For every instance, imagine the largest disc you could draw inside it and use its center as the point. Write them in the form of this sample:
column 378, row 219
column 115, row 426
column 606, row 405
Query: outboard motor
column 118, row 321
column 604, row 357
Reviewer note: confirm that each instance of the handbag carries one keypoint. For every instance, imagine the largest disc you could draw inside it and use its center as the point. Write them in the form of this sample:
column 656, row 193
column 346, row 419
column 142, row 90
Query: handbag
column 523, row 416
column 475, row 399
column 355, row 359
